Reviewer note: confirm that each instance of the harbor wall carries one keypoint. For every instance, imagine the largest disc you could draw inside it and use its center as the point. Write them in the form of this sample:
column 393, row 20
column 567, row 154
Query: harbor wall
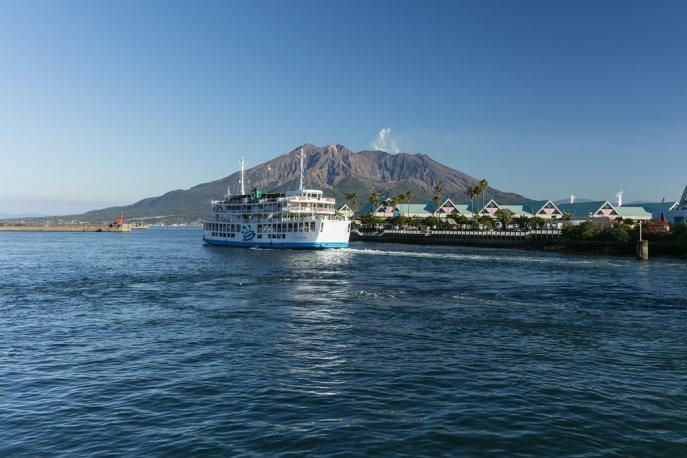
column 542, row 240
column 65, row 228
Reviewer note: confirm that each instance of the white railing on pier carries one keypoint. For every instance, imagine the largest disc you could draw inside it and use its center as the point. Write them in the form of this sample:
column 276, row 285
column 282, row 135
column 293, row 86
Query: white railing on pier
column 482, row 233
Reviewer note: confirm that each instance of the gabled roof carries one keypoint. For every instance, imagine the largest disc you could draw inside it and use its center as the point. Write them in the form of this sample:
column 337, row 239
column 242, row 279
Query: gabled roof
column 584, row 210
column 464, row 210
column 516, row 210
column 474, row 208
column 367, row 209
column 536, row 206
column 426, row 209
column 460, row 208
column 447, row 203
column 344, row 207
column 633, row 212
column 657, row 206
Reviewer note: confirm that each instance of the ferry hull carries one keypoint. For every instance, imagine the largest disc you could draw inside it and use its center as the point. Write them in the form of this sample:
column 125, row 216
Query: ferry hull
column 278, row 245
column 327, row 234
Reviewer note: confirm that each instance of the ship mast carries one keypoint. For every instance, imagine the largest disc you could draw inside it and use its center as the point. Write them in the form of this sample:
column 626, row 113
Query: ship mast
column 302, row 156
column 242, row 163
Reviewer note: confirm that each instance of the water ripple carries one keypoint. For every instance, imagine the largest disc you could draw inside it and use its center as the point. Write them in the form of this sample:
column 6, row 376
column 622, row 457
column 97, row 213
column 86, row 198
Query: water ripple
column 153, row 344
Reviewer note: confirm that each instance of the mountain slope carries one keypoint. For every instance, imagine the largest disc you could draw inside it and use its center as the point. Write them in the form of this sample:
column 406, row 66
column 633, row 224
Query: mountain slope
column 333, row 168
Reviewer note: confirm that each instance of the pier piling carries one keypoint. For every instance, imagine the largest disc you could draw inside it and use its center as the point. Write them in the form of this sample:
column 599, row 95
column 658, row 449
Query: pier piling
column 643, row 250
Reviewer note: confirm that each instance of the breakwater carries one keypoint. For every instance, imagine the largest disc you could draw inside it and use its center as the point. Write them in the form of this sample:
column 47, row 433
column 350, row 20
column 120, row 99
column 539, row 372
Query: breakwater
column 65, row 227
column 540, row 240
column 536, row 239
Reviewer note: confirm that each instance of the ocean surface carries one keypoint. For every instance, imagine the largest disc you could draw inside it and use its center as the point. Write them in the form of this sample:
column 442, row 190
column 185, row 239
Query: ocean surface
column 151, row 343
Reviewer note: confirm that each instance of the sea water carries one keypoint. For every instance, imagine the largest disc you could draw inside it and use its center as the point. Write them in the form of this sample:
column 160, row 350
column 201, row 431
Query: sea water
column 152, row 343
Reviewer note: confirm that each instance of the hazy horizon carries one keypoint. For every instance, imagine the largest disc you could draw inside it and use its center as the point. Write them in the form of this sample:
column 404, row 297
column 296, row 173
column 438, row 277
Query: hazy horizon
column 112, row 103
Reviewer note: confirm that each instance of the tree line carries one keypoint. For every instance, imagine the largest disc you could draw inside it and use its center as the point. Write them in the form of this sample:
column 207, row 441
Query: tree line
column 477, row 192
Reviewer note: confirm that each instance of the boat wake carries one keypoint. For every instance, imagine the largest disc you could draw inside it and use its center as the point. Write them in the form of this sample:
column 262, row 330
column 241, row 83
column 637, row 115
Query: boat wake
column 517, row 258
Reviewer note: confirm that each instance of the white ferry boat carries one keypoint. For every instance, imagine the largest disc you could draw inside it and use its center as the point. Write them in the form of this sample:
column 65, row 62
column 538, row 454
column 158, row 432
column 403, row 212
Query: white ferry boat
column 294, row 219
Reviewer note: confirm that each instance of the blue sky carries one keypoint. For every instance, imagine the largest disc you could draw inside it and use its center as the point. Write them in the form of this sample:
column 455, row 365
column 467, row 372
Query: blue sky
column 111, row 102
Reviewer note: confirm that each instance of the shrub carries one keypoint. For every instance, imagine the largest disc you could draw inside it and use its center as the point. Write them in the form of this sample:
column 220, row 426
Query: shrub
column 537, row 222
column 616, row 233
column 583, row 231
column 430, row 221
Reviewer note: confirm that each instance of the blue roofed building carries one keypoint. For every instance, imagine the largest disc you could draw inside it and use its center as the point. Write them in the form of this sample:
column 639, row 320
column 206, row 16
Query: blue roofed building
column 676, row 215
column 541, row 208
column 582, row 211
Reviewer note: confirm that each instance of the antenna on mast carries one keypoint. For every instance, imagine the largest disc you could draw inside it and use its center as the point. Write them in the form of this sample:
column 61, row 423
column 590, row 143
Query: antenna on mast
column 302, row 156
column 242, row 163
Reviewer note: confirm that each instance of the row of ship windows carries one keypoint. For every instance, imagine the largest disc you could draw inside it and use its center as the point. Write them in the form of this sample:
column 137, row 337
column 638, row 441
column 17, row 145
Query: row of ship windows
column 252, row 209
column 267, row 228
column 232, row 235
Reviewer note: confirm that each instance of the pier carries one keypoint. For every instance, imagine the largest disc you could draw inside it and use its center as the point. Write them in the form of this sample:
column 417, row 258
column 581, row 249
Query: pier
column 532, row 239
column 538, row 240
column 118, row 225
column 126, row 227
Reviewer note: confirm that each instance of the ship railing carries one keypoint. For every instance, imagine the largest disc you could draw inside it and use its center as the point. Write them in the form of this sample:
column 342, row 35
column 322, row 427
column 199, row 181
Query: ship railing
column 321, row 211
column 327, row 200
column 480, row 232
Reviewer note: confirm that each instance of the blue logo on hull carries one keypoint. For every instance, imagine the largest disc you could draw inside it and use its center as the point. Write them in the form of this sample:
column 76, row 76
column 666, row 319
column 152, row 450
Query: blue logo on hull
column 248, row 233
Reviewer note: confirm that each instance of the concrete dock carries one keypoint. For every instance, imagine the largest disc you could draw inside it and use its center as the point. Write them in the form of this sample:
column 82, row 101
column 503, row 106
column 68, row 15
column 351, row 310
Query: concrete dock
column 126, row 227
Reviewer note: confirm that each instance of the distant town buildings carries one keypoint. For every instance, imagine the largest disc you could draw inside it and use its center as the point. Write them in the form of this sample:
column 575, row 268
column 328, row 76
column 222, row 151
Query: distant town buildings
column 674, row 212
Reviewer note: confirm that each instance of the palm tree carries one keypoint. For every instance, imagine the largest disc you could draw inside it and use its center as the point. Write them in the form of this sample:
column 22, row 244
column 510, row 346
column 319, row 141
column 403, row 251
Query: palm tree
column 472, row 192
column 522, row 221
column 374, row 200
column 404, row 198
column 477, row 221
column 537, row 222
column 505, row 217
column 393, row 202
column 482, row 186
column 438, row 189
column 353, row 201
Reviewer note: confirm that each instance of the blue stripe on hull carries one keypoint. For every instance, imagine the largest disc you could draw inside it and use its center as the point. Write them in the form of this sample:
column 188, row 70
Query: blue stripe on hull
column 288, row 245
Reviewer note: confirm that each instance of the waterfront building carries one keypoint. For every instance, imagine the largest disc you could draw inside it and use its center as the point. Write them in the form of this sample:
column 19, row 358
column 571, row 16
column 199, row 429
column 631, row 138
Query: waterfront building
column 482, row 209
column 635, row 213
column 677, row 214
column 583, row 211
column 383, row 209
column 541, row 208
column 448, row 207
column 345, row 211
column 657, row 207
column 547, row 209
column 415, row 210
column 517, row 210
